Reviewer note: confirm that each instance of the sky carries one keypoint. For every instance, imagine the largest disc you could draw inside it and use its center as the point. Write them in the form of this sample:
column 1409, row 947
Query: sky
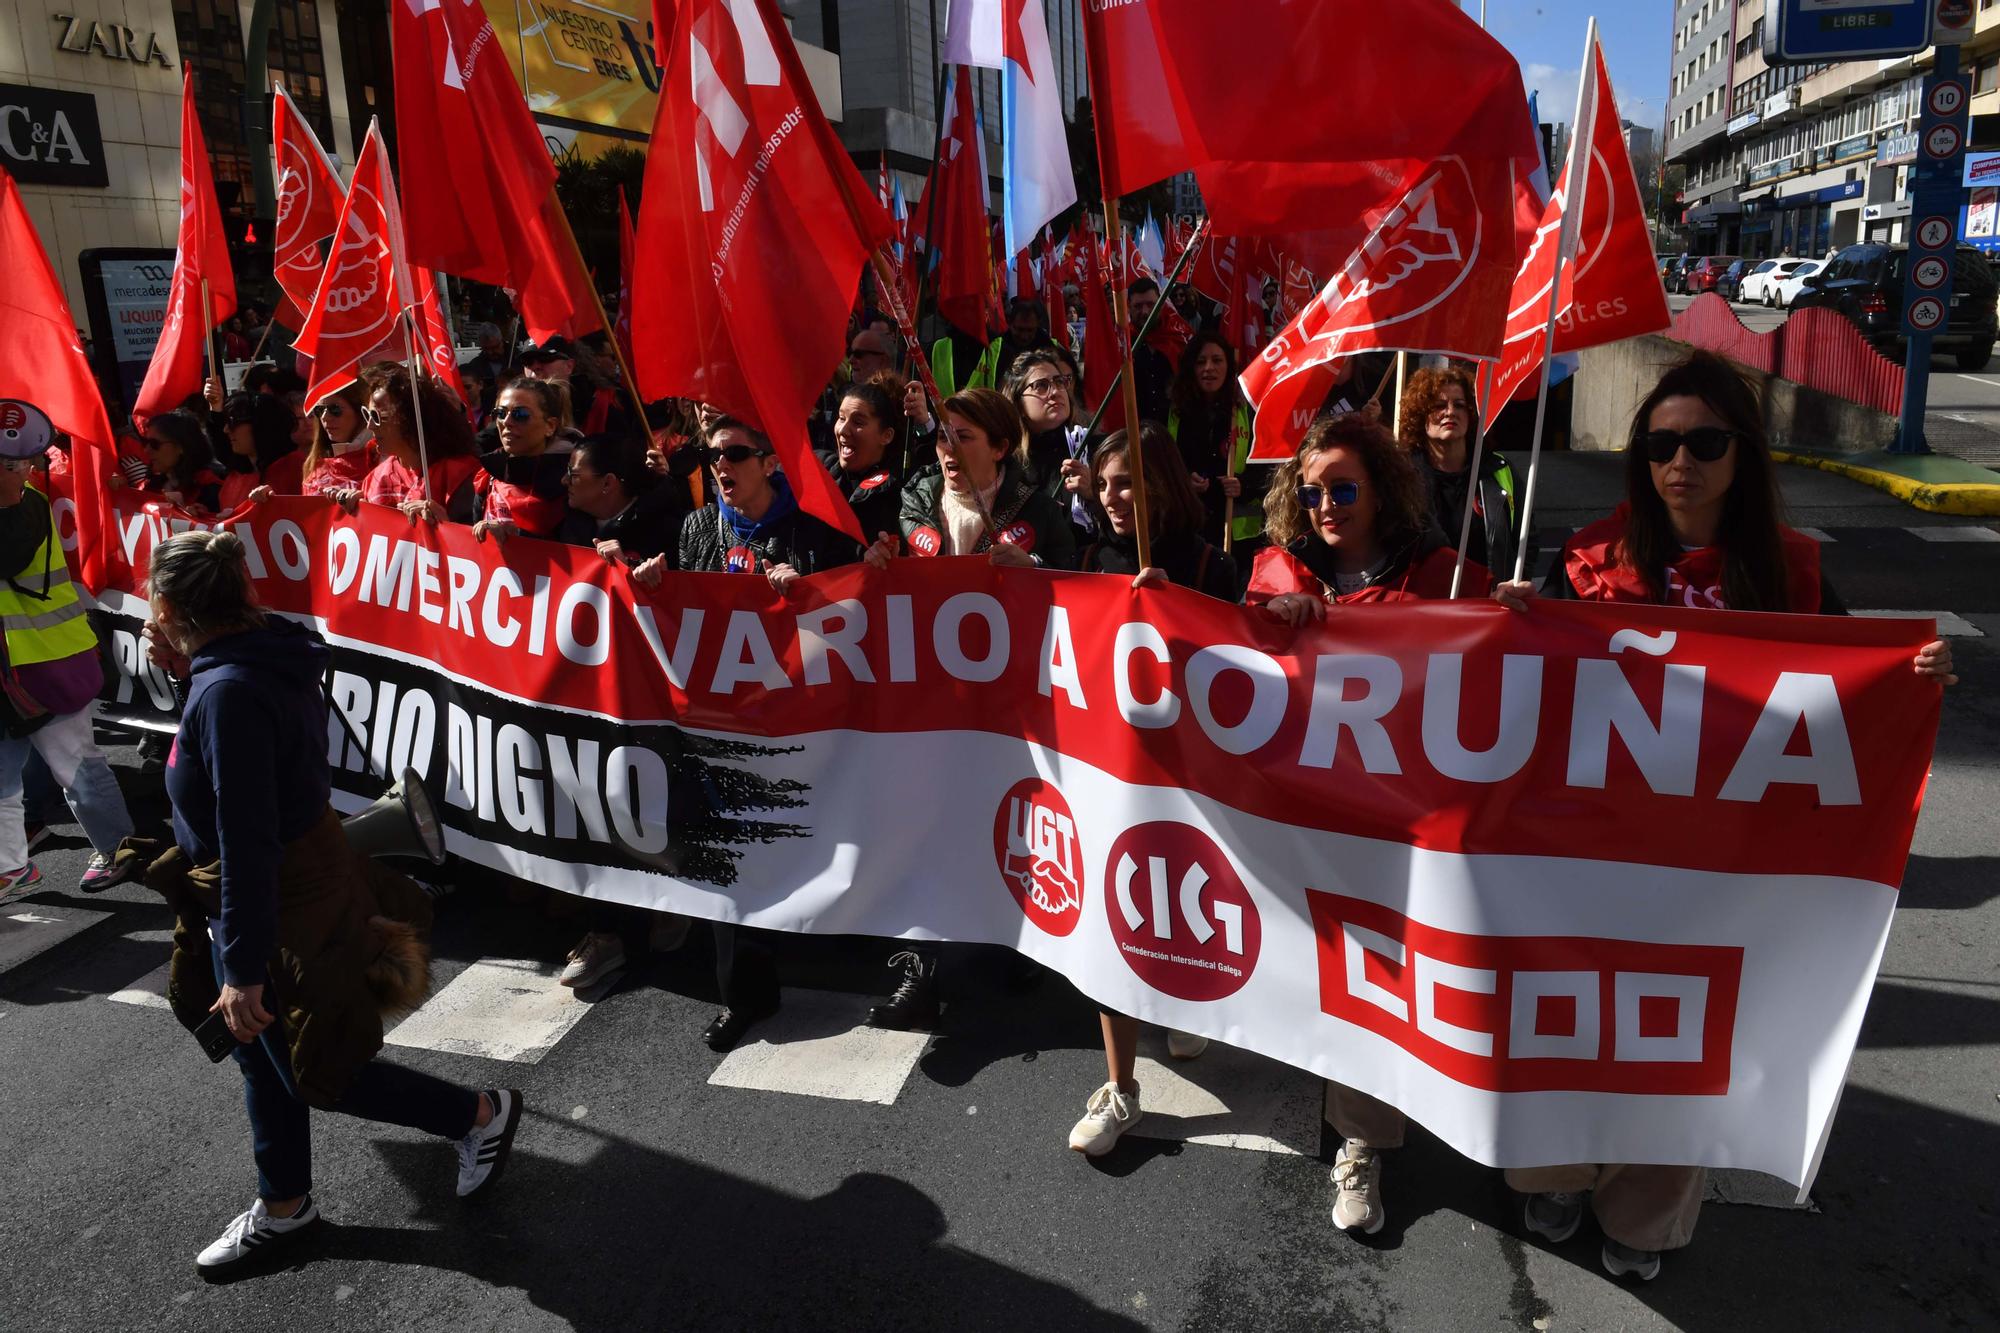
column 1546, row 36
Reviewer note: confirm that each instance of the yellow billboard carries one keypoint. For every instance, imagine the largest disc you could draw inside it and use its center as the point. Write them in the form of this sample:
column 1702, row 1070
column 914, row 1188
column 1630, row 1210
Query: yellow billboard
column 587, row 67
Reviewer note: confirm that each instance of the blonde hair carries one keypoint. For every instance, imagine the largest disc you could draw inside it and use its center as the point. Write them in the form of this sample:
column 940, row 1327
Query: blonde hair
column 202, row 576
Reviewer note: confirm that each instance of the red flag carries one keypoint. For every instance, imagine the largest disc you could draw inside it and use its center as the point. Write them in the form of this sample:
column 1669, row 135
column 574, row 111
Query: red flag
column 628, row 249
column 754, row 229
column 45, row 366
column 434, row 340
column 483, row 200
column 1170, row 333
column 964, row 240
column 1611, row 290
column 1103, row 341
column 309, row 195
column 354, row 313
column 1267, row 163
column 1213, row 272
column 201, row 254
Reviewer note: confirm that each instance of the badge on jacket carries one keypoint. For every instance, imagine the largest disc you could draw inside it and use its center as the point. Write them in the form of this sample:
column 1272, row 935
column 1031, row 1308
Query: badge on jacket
column 739, row 560
column 926, row 541
column 1021, row 535
column 870, row 483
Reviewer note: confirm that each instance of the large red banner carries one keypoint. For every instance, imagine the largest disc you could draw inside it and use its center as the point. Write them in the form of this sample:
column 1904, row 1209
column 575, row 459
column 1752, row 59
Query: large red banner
column 1444, row 852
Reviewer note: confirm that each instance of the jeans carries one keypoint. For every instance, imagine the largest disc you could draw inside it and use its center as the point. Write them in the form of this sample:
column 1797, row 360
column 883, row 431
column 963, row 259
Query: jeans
column 280, row 1127
column 79, row 767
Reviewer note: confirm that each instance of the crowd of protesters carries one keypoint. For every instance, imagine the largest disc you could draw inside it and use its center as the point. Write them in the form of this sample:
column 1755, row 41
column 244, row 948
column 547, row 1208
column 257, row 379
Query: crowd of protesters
column 1004, row 468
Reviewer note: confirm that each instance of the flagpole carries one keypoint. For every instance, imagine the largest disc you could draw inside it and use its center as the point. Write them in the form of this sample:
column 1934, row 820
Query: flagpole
column 1180, row 266
column 1472, row 485
column 1402, row 371
column 208, row 334
column 610, row 330
column 1135, row 452
column 269, row 324
column 417, row 402
column 1579, row 182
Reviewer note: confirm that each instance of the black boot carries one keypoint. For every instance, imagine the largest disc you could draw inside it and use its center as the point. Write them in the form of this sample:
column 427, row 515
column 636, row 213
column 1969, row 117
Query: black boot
column 913, row 1004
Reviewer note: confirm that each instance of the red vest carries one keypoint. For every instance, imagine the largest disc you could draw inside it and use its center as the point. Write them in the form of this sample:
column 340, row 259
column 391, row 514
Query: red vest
column 1277, row 571
column 1595, row 562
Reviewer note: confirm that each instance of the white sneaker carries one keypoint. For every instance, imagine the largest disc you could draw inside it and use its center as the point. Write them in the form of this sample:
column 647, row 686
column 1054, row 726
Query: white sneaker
column 482, row 1154
column 1185, row 1045
column 1357, row 1179
column 253, row 1234
column 1107, row 1115
column 596, row 956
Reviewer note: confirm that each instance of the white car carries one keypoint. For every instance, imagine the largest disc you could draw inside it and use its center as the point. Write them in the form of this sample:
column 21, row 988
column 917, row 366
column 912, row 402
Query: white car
column 1760, row 284
column 1788, row 288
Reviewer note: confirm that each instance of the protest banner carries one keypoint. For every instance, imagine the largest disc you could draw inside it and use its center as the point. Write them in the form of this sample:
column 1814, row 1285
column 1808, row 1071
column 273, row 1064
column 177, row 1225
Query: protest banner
column 1585, row 883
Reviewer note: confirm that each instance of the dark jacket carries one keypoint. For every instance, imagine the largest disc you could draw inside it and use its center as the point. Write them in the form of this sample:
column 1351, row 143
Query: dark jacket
column 1492, row 542
column 710, row 545
column 649, row 526
column 1152, row 381
column 249, row 774
column 1023, row 513
column 1188, row 559
column 874, row 494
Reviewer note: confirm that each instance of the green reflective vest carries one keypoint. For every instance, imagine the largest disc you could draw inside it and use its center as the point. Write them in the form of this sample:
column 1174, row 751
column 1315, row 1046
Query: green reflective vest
column 1249, row 520
column 44, row 628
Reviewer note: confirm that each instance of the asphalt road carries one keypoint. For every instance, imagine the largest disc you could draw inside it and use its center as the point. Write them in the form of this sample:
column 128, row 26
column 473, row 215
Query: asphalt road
column 834, row 1179
column 1962, row 411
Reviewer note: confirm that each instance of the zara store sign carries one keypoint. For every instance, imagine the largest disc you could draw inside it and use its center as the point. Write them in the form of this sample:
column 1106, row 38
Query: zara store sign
column 113, row 41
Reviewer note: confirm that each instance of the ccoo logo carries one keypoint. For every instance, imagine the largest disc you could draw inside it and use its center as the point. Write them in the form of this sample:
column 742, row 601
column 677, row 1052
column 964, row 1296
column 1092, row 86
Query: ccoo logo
column 1041, row 860
column 1179, row 912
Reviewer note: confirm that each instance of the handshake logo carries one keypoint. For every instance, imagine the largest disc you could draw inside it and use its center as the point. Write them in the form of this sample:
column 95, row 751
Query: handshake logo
column 1041, row 861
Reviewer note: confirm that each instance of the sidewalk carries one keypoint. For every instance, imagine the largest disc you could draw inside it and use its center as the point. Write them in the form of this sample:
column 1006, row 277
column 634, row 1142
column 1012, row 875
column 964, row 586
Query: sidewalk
column 1942, row 482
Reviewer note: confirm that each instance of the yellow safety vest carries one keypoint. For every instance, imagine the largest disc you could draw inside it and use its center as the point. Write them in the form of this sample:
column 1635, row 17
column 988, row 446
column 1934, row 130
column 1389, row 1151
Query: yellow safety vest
column 1249, row 521
column 45, row 628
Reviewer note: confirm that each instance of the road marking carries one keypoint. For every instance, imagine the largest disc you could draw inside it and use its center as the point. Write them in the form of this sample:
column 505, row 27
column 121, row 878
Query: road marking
column 1817, row 534
column 1228, row 1098
column 27, row 929
column 1976, row 379
column 499, row 1009
column 1949, row 623
column 819, row 1045
column 1965, row 533
column 149, row 991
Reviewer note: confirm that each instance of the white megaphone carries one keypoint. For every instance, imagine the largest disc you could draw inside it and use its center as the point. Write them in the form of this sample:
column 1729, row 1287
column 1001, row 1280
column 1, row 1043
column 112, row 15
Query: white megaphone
column 402, row 822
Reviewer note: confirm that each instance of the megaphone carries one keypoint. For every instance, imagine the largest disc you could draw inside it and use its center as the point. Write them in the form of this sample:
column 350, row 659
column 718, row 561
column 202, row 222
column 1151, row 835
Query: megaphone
column 402, row 822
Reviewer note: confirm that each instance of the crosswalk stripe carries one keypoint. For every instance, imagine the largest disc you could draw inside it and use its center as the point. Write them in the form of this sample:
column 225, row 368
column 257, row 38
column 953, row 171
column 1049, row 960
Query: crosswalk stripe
column 149, row 991
column 28, row 928
column 1966, row 533
column 818, row 1045
column 498, row 1008
column 1820, row 535
column 1229, row 1099
column 1949, row 623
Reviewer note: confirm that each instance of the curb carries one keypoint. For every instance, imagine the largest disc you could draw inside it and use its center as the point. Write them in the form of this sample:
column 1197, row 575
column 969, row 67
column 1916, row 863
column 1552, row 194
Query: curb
column 1968, row 499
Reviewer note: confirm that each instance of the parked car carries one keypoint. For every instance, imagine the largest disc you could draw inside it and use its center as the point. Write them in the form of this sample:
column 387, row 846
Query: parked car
column 1760, row 285
column 1730, row 285
column 1677, row 275
column 1706, row 272
column 1798, row 280
column 1866, row 284
column 1667, row 264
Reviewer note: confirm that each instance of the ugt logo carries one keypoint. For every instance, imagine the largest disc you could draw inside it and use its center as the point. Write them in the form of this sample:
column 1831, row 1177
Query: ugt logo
column 1041, row 860
column 1179, row 912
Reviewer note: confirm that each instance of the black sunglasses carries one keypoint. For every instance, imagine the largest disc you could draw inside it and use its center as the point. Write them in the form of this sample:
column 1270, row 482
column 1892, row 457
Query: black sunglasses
column 515, row 414
column 1344, row 493
column 739, row 453
column 1705, row 443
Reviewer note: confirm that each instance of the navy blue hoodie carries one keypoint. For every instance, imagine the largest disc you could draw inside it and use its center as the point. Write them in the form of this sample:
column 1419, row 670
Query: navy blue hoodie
column 249, row 773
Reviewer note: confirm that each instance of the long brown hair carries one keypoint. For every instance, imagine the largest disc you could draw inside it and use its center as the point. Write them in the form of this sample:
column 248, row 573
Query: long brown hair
column 1749, row 533
column 1172, row 507
column 355, row 395
column 1391, row 471
column 1423, row 392
column 1185, row 395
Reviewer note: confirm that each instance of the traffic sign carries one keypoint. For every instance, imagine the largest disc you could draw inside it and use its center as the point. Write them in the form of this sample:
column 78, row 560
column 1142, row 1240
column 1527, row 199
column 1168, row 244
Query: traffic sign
column 1926, row 313
column 1800, row 32
column 1929, row 273
column 1934, row 233
column 1943, row 141
column 1952, row 24
column 1946, row 97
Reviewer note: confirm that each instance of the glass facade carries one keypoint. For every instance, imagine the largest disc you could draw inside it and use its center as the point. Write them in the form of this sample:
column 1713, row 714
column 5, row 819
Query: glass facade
column 210, row 36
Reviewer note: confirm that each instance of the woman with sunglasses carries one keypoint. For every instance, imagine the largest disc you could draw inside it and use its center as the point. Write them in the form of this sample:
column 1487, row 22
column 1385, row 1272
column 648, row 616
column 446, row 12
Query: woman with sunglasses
column 258, row 429
column 870, row 451
column 1437, row 428
column 180, row 460
column 393, row 404
column 523, row 485
column 753, row 526
column 342, row 452
column 1174, row 513
column 1349, row 523
column 1699, row 527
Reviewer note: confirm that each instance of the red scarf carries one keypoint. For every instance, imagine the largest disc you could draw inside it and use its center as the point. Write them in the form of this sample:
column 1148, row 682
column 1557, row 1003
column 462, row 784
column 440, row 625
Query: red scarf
column 1595, row 561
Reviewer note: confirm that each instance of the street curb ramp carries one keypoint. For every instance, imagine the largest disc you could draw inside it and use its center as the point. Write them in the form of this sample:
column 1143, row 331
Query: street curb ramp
column 1930, row 482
